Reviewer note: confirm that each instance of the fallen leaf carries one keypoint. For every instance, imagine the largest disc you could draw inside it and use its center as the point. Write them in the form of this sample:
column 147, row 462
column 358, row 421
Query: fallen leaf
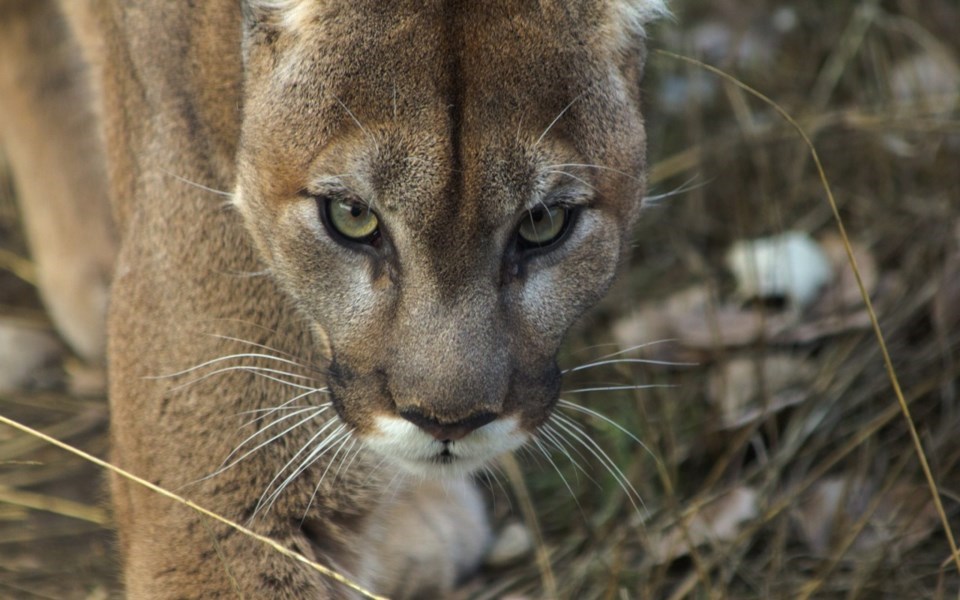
column 716, row 522
column 904, row 517
column 747, row 389
column 843, row 292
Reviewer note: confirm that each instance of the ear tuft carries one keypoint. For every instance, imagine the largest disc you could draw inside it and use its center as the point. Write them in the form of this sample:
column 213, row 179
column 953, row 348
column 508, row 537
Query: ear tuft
column 631, row 16
column 288, row 14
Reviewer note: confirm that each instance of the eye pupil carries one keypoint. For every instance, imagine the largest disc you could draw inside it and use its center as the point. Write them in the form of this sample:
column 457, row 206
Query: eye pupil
column 543, row 226
column 352, row 220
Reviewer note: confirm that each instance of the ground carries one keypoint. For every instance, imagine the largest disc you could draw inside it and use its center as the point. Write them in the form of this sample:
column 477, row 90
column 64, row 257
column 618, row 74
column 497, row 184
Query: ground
column 772, row 457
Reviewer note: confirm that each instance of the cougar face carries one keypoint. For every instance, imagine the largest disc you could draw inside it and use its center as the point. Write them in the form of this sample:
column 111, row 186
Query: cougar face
column 443, row 222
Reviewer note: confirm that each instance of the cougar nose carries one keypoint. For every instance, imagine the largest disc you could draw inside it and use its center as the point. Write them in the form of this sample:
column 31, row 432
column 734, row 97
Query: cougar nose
column 447, row 432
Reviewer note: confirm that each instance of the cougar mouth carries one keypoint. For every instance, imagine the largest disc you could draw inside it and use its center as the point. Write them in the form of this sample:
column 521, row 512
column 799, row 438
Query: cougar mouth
column 415, row 451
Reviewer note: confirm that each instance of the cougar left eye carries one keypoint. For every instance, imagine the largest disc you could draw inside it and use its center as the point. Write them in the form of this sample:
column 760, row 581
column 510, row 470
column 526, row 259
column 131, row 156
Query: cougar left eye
column 353, row 221
column 543, row 226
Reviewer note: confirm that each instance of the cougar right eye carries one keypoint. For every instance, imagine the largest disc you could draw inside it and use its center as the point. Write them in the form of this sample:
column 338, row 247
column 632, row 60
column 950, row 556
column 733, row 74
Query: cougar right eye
column 351, row 221
column 543, row 227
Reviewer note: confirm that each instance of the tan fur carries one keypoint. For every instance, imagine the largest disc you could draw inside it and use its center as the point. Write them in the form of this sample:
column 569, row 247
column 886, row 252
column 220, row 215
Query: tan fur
column 450, row 120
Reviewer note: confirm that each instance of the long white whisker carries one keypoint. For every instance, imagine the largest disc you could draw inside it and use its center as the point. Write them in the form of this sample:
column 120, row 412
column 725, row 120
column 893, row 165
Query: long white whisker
column 602, row 167
column 637, row 347
column 614, row 361
column 614, row 388
column 587, row 411
column 577, row 434
column 224, row 358
column 198, row 185
column 683, row 188
column 268, row 500
column 557, row 119
column 558, row 441
column 285, row 406
column 290, row 357
column 346, row 437
column 572, row 176
column 566, row 484
column 258, row 371
column 359, row 124
column 227, row 463
column 314, row 412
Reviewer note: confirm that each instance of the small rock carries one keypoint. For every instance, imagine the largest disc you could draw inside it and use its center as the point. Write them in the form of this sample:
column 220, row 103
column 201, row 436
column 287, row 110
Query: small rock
column 790, row 265
column 513, row 543
column 23, row 350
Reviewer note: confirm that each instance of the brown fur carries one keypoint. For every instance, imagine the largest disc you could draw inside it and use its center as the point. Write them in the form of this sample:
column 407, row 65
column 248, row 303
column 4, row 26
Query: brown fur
column 447, row 118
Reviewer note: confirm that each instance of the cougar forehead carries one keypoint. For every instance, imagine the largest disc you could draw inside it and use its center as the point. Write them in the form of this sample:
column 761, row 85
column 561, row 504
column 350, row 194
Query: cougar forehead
column 466, row 116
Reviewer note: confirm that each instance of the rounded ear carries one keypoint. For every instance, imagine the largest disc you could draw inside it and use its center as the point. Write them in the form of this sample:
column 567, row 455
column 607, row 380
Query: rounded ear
column 631, row 16
column 287, row 14
column 628, row 20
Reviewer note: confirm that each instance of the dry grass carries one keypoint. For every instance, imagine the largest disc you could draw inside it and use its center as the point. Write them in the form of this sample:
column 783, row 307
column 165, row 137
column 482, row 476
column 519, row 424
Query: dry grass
column 892, row 161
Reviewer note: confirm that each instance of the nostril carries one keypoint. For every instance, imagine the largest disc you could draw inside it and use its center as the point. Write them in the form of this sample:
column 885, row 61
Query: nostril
column 448, row 431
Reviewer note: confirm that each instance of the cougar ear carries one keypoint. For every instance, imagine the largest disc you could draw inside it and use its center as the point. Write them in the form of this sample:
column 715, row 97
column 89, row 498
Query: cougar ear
column 630, row 17
column 278, row 14
column 626, row 31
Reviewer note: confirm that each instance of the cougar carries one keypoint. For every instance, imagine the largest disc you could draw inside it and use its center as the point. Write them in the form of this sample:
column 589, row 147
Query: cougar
column 341, row 241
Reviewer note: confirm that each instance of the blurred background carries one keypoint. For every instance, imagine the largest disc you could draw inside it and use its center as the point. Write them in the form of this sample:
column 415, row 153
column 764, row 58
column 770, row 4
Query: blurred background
column 740, row 436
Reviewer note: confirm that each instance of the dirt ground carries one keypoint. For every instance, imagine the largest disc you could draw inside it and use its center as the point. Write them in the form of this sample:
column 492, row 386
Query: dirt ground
column 772, row 456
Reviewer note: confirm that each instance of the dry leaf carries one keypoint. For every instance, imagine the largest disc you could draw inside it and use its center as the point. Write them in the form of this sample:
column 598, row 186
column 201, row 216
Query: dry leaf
column 737, row 390
column 904, row 518
column 843, row 291
column 946, row 300
column 719, row 521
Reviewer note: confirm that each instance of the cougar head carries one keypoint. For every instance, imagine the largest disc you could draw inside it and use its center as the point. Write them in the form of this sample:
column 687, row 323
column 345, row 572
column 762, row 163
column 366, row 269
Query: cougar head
column 443, row 188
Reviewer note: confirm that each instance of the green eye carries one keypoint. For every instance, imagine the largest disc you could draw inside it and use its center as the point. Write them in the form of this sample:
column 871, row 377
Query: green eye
column 353, row 221
column 542, row 226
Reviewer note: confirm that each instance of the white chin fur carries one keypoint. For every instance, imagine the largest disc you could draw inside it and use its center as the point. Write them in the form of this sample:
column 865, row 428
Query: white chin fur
column 412, row 449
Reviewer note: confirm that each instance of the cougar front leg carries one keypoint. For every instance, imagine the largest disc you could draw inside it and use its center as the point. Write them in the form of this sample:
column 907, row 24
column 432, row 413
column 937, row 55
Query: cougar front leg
column 49, row 133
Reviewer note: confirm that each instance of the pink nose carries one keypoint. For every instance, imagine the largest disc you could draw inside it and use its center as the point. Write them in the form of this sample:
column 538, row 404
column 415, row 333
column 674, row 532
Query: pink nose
column 447, row 432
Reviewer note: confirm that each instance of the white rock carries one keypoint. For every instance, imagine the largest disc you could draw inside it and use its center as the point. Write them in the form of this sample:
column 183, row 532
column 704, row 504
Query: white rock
column 790, row 265
column 512, row 543
column 23, row 350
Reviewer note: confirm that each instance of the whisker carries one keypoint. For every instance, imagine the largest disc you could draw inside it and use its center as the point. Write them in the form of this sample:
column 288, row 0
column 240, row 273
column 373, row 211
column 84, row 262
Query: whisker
column 579, row 435
column 258, row 371
column 266, row 501
column 340, row 446
column 290, row 357
column 357, row 121
column 557, row 119
column 645, row 361
column 601, row 167
column 556, row 438
column 614, row 388
column 223, row 358
column 566, row 484
column 683, row 188
column 572, row 176
column 632, row 348
column 285, row 406
column 198, row 185
column 493, row 474
column 590, row 412
column 314, row 412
